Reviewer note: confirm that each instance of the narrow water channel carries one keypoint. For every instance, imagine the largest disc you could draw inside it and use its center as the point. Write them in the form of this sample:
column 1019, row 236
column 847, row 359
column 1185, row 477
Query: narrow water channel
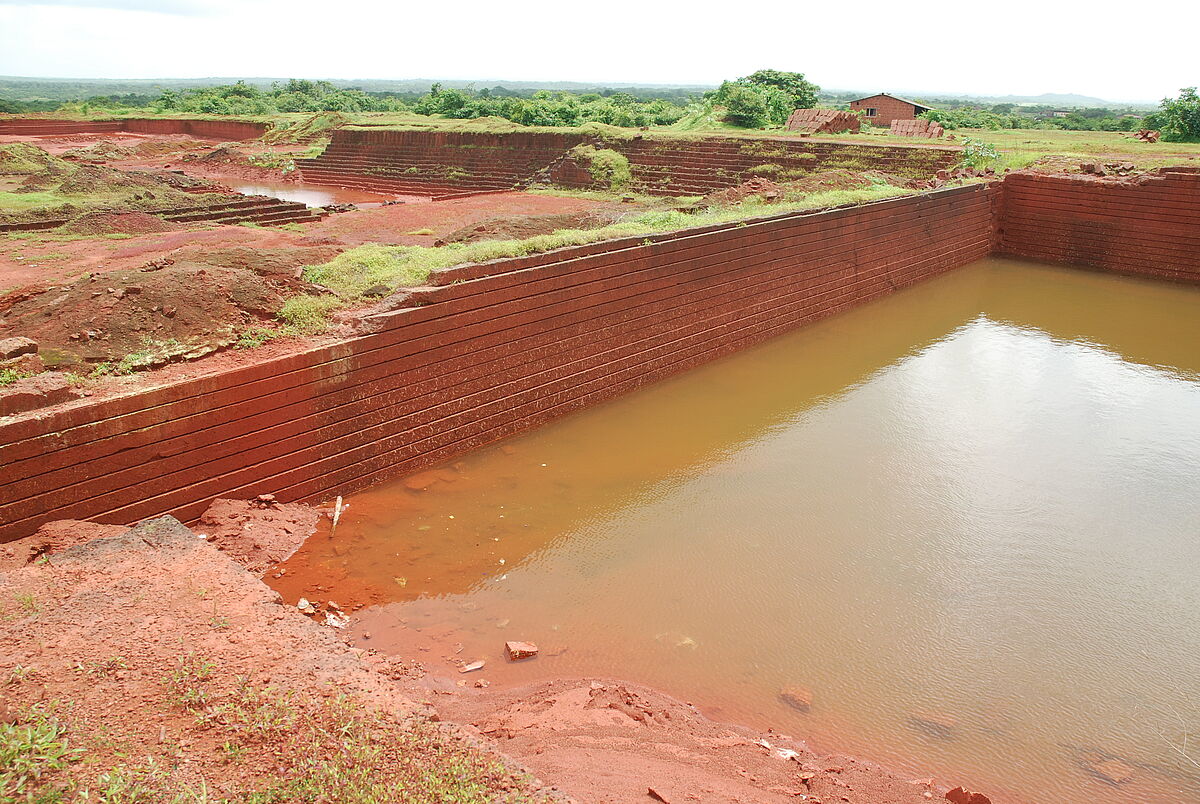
column 966, row 517
column 315, row 195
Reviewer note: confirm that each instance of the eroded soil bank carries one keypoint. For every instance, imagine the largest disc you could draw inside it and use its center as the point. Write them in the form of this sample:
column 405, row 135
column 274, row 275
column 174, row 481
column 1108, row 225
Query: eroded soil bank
column 161, row 664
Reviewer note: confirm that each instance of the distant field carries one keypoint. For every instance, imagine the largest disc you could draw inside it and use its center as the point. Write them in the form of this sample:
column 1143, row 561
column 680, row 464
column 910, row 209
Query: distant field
column 1021, row 147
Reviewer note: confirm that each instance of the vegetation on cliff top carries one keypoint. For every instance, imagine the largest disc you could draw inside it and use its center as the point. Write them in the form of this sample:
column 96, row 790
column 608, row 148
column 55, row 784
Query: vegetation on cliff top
column 370, row 265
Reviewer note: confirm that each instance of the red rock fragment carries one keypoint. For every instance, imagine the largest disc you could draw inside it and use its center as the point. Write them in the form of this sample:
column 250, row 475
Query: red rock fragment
column 15, row 347
column 960, row 795
column 797, row 697
column 520, row 650
column 32, row 393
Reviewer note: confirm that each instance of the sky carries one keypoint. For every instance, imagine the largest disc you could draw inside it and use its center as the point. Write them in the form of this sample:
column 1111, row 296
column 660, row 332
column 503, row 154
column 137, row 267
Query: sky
column 1020, row 47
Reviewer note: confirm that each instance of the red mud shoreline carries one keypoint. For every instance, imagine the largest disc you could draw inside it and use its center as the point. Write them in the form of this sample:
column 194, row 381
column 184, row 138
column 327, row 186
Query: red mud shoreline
column 591, row 740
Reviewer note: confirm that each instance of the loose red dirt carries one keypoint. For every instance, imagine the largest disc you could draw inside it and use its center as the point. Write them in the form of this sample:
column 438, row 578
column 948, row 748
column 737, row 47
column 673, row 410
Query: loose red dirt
column 117, row 626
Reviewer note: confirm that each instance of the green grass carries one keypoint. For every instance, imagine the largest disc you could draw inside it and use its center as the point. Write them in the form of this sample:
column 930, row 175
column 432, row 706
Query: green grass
column 256, row 336
column 353, row 271
column 30, row 749
column 10, row 375
column 309, row 315
column 609, row 168
column 21, row 202
column 1020, row 148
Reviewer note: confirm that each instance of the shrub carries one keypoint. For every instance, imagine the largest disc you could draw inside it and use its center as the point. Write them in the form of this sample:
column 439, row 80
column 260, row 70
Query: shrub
column 978, row 154
column 1178, row 118
column 608, row 168
column 745, row 106
column 764, row 98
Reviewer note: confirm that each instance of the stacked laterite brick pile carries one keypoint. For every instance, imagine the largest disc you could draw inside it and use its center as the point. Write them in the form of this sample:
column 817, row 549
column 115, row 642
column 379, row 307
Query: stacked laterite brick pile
column 704, row 165
column 823, row 121
column 917, row 128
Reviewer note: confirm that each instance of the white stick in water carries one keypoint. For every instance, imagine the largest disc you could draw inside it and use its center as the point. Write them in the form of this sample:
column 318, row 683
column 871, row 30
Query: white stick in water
column 337, row 513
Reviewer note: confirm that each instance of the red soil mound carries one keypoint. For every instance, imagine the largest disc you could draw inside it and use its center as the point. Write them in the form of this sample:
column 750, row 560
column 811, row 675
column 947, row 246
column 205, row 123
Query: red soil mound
column 277, row 264
column 156, row 645
column 96, row 223
column 106, row 317
column 172, row 668
column 763, row 188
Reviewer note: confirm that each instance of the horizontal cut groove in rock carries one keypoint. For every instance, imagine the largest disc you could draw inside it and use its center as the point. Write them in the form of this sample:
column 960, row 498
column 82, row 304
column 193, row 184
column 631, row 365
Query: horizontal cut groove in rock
column 622, row 283
column 191, row 390
column 527, row 353
column 549, row 388
column 497, row 348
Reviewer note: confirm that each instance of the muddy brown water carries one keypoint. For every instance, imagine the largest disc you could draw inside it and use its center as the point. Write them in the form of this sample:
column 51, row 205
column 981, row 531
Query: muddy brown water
column 966, row 517
column 317, row 195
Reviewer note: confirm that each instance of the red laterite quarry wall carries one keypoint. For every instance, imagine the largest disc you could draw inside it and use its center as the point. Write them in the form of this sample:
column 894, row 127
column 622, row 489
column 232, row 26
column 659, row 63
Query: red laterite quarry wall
column 1149, row 225
column 436, row 163
column 205, row 129
column 490, row 350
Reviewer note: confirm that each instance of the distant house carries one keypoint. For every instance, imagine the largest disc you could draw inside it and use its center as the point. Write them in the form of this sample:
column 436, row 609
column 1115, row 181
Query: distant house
column 883, row 108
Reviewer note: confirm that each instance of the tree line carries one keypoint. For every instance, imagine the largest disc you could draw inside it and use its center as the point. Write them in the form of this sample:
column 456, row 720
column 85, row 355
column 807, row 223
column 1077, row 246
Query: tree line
column 763, row 99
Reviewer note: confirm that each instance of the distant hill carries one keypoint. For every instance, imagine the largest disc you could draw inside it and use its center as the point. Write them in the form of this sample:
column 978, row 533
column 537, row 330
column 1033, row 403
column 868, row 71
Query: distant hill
column 21, row 88
column 1052, row 99
column 26, row 89
column 1061, row 100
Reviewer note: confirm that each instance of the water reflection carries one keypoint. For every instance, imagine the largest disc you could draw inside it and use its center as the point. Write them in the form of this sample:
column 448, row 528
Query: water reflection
column 964, row 517
column 313, row 195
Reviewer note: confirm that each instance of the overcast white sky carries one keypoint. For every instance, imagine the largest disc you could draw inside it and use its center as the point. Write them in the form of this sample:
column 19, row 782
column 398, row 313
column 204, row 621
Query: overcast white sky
column 1117, row 51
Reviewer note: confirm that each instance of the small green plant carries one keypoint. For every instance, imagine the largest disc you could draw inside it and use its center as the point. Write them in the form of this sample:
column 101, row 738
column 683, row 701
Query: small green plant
column 104, row 369
column 233, row 751
column 29, row 749
column 21, row 673
column 27, row 602
column 978, row 154
column 186, row 682
column 308, row 315
column 124, row 785
column 10, row 375
column 255, row 336
column 105, row 667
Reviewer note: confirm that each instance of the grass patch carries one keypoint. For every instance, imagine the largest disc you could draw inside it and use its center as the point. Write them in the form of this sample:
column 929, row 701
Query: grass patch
column 10, row 375
column 353, row 271
column 255, row 337
column 309, row 315
column 30, row 750
column 20, row 202
column 609, row 168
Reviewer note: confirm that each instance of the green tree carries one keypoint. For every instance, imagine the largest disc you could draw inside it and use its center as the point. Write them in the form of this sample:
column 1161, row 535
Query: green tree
column 747, row 106
column 802, row 94
column 1178, row 118
column 764, row 98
